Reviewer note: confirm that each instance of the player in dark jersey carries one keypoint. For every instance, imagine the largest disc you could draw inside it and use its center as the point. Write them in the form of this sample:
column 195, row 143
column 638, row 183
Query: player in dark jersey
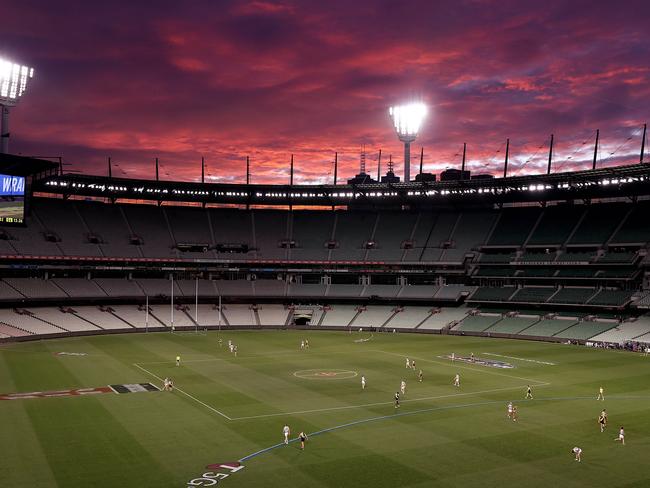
column 529, row 393
column 303, row 437
column 420, row 376
column 602, row 420
column 397, row 399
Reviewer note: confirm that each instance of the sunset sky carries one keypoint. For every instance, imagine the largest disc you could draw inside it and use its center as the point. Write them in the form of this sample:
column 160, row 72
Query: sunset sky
column 227, row 79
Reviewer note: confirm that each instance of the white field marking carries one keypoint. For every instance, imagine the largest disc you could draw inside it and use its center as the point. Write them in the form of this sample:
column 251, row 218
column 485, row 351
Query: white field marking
column 520, row 359
column 476, row 370
column 348, row 407
column 320, row 374
column 185, row 393
column 254, row 356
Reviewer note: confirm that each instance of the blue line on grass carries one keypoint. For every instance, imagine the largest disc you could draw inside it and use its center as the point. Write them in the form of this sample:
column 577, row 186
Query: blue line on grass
column 415, row 412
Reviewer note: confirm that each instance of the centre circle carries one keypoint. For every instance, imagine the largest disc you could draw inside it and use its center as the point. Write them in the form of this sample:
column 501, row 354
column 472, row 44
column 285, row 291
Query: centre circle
column 325, row 374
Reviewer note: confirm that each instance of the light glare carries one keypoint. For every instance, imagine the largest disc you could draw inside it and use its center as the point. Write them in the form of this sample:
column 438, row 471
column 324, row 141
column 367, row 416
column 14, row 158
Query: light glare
column 408, row 118
column 13, row 80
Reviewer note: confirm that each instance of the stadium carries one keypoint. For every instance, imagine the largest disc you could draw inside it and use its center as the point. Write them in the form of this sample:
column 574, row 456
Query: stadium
column 164, row 332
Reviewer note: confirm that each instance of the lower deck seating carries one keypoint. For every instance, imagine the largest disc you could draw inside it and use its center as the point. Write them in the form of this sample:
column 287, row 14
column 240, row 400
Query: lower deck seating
column 339, row 315
column 585, row 330
column 477, row 323
column 547, row 327
column 512, row 325
column 275, row 315
column 626, row 331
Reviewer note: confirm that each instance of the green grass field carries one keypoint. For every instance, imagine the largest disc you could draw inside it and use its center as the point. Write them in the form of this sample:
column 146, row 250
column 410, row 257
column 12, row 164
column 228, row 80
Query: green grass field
column 227, row 408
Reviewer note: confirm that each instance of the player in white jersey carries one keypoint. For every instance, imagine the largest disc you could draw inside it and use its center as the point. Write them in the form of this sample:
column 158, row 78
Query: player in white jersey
column 457, row 380
column 601, row 394
column 509, row 414
column 621, row 435
column 302, row 345
column 402, row 387
column 363, row 382
column 178, row 360
column 578, row 453
column 287, row 432
column 408, row 363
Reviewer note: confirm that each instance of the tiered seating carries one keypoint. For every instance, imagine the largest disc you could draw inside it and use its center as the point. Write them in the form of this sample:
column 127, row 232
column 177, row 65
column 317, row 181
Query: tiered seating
column 163, row 314
column 148, row 222
column 392, row 229
column 208, row 315
column 271, row 228
column 514, row 226
column 586, row 330
column 306, row 290
column 119, row 287
column 477, row 323
column 493, row 294
column 8, row 293
column 533, row 294
column 431, row 232
column 27, row 323
column 188, row 288
column 384, row 291
column 374, row 316
column 418, row 291
column 443, row 317
column 134, row 317
column 103, row 319
column 232, row 226
column 453, row 292
column 635, row 229
column 599, row 223
column 107, row 223
column 497, row 258
column 576, row 256
column 470, row 233
column 347, row 291
column 269, row 288
column 36, row 287
column 239, row 314
column 272, row 314
column 311, row 230
column 625, row 331
column 339, row 315
column 547, row 327
column 618, row 257
column 235, row 288
column 79, row 287
column 409, row 317
column 61, row 218
column 556, row 224
column 573, row 295
column 512, row 325
column 611, row 297
column 352, row 231
column 158, row 287
column 576, row 272
column 67, row 321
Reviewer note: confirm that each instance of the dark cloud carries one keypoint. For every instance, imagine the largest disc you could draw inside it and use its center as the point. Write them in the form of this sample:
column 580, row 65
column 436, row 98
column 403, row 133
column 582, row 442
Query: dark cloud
column 138, row 80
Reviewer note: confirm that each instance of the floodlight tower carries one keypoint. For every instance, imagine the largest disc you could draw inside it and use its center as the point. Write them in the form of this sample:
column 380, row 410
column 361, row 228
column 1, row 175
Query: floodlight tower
column 407, row 120
column 13, row 83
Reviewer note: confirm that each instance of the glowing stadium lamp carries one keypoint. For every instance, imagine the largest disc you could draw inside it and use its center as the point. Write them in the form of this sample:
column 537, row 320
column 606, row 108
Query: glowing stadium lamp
column 407, row 120
column 13, row 83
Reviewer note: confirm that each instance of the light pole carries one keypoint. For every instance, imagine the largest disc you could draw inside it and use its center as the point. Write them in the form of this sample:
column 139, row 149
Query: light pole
column 407, row 120
column 13, row 83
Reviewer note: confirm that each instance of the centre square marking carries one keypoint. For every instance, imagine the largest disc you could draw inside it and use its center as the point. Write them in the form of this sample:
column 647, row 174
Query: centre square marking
column 325, row 374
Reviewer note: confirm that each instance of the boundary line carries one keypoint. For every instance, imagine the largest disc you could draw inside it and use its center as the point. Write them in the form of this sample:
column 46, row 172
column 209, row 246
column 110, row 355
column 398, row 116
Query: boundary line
column 415, row 412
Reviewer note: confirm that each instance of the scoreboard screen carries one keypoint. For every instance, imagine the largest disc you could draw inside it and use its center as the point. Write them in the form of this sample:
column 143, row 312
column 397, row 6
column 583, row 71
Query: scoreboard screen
column 12, row 199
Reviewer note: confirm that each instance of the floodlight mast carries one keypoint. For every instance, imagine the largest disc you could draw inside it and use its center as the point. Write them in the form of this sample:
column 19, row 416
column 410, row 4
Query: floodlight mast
column 13, row 83
column 407, row 120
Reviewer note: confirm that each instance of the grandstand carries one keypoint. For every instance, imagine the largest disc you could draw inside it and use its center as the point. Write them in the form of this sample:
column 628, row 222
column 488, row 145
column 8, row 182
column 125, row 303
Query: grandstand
column 97, row 256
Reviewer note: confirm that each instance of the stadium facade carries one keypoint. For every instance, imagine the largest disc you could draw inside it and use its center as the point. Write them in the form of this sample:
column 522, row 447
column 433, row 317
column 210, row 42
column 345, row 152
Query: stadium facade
column 557, row 257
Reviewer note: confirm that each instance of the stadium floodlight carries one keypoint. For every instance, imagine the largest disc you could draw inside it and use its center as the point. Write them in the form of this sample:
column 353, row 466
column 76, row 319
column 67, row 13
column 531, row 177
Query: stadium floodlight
column 13, row 83
column 407, row 120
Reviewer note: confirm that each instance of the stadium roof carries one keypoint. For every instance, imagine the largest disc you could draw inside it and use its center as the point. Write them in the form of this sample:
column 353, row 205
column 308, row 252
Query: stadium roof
column 632, row 180
column 11, row 164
